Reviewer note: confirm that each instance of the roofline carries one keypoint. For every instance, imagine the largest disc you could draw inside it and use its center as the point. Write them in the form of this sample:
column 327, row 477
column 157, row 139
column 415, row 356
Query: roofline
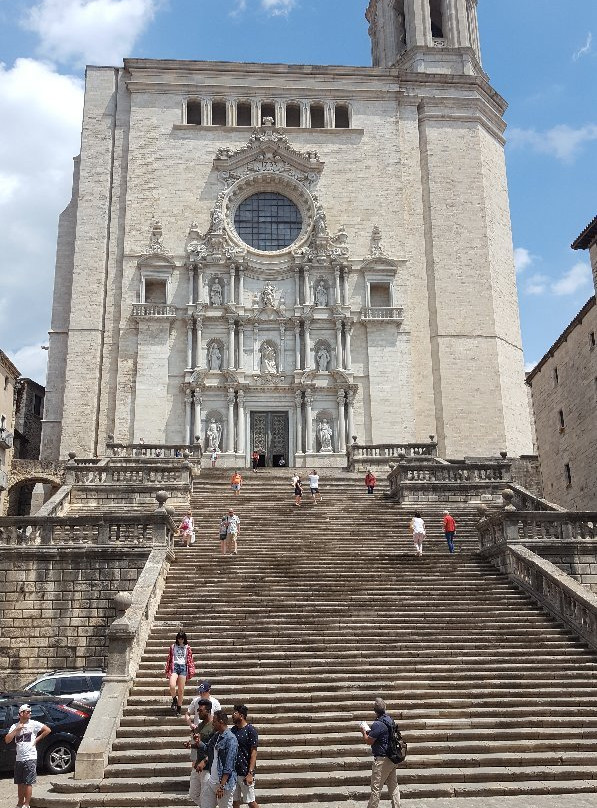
column 12, row 369
column 587, row 237
column 562, row 338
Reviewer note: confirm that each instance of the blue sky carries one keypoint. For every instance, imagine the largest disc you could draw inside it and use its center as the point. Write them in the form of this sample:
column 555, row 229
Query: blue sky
column 541, row 55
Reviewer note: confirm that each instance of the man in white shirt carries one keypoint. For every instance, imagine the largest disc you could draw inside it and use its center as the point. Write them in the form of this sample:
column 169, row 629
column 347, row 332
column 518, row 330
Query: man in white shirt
column 314, row 486
column 26, row 734
column 192, row 716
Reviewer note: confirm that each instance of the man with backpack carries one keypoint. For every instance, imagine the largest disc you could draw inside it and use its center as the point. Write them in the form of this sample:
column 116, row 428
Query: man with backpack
column 383, row 738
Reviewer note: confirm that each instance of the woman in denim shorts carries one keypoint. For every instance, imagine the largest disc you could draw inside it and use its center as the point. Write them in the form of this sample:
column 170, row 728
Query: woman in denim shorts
column 180, row 666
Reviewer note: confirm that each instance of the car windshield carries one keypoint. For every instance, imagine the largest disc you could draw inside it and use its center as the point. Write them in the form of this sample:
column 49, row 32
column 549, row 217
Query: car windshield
column 44, row 686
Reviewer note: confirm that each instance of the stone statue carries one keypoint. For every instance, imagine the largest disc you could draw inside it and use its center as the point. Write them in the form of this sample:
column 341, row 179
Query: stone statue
column 267, row 295
column 215, row 357
column 268, row 359
column 214, row 435
column 323, row 358
column 216, row 293
column 325, row 434
column 320, row 221
column 321, row 295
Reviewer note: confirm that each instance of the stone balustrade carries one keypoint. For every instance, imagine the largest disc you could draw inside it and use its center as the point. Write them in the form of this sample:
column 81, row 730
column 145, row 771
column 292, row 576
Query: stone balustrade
column 361, row 457
column 153, row 310
column 158, row 451
column 108, row 530
column 526, row 527
column 125, row 474
column 524, row 500
column 394, row 314
column 417, row 480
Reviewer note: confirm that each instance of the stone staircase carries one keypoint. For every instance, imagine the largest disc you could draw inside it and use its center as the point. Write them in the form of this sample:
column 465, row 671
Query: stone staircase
column 326, row 607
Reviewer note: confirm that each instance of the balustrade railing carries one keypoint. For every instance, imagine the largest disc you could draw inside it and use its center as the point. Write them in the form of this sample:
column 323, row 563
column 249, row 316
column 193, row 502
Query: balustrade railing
column 524, row 500
column 129, row 474
column 360, row 455
column 153, row 310
column 151, row 530
column 410, row 473
column 158, row 451
column 383, row 313
column 528, row 527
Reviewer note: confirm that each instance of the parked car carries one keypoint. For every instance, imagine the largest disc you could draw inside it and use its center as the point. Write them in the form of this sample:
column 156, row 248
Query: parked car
column 66, row 718
column 82, row 685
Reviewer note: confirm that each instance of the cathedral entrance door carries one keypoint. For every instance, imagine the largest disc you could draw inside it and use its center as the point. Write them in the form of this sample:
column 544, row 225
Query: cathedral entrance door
column 269, row 436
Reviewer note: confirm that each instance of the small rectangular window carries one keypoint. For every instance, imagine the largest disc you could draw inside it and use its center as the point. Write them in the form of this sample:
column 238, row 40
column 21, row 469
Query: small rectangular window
column 561, row 417
column 379, row 295
column 218, row 113
column 317, row 117
column 556, row 378
column 293, row 116
column 592, row 342
column 568, row 474
column 38, row 405
column 155, row 291
column 243, row 115
column 341, row 117
column 194, row 112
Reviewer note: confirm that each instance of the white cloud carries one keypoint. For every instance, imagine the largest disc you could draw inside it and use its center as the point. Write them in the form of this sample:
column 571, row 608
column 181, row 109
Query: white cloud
column 528, row 366
column 523, row 259
column 536, row 284
column 572, row 281
column 585, row 49
column 562, row 142
column 31, row 361
column 80, row 32
column 41, row 113
column 278, row 7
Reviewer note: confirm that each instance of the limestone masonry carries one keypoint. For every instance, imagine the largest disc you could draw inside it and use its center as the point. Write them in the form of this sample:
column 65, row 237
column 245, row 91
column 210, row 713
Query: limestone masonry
column 279, row 258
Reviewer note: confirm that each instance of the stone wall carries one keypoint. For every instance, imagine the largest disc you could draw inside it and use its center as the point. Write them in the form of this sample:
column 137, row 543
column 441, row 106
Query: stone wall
column 578, row 560
column 56, row 605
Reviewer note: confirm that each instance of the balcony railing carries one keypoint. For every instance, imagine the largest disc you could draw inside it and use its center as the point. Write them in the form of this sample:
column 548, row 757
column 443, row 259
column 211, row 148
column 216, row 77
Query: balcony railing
column 153, row 310
column 157, row 451
column 392, row 313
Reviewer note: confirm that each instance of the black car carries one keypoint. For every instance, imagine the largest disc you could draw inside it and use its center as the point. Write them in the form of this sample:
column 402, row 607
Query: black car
column 66, row 718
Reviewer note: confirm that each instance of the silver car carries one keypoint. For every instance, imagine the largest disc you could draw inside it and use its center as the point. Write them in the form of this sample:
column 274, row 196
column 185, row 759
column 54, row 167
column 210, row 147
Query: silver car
column 82, row 685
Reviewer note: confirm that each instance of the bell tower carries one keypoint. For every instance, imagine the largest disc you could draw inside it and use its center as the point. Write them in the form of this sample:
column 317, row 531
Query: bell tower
column 425, row 35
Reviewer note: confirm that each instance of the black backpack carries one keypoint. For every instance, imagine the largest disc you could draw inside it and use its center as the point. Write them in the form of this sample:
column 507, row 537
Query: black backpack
column 397, row 746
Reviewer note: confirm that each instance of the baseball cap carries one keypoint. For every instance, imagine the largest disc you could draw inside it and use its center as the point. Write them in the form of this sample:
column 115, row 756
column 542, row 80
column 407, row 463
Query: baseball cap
column 24, row 707
column 205, row 687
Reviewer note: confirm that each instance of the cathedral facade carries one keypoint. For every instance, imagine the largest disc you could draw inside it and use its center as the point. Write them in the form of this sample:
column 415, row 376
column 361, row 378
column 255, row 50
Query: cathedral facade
column 281, row 258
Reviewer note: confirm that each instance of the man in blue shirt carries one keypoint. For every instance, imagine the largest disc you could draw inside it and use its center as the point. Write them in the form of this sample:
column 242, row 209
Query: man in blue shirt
column 384, row 771
column 218, row 791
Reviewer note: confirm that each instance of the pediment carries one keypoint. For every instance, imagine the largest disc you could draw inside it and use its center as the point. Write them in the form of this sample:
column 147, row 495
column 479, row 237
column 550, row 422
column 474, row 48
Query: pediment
column 155, row 261
column 268, row 151
column 380, row 264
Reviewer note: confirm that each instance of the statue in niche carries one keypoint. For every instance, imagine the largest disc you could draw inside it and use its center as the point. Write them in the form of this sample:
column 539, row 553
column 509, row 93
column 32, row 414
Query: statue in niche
column 323, row 358
column 321, row 295
column 215, row 294
column 214, row 436
column 325, row 434
column 320, row 221
column 268, row 359
column 267, row 296
column 215, row 357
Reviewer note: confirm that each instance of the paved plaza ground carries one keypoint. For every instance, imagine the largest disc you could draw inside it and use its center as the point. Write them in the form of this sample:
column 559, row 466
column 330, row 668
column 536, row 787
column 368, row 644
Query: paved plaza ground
column 8, row 790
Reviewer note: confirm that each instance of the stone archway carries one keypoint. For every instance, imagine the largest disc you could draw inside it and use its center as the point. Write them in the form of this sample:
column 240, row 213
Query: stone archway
column 24, row 476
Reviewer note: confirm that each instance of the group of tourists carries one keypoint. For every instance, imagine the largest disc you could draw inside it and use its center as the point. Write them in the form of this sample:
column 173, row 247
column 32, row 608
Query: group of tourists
column 223, row 757
column 419, row 532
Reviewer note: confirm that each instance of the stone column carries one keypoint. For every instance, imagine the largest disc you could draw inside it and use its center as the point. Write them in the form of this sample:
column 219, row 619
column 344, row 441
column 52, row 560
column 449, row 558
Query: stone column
column 200, row 293
column 280, row 109
column 282, row 346
column 306, row 286
column 231, row 362
column 305, row 115
column 329, row 115
column 230, row 435
column 341, row 422
column 297, row 346
column 309, row 422
column 298, row 415
column 255, row 107
column 240, row 429
column 230, row 113
column 198, row 342
column 191, row 279
column 350, row 398
column 231, row 297
column 345, row 285
column 241, row 285
column 198, row 403
column 297, row 286
column 241, row 347
column 206, row 111
column 188, row 398
column 348, row 335
column 307, row 326
column 256, row 348
column 190, row 343
column 337, row 300
column 339, row 363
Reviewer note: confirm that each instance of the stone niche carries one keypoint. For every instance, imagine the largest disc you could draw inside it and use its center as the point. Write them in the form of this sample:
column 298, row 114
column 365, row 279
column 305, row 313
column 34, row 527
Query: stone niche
column 56, row 605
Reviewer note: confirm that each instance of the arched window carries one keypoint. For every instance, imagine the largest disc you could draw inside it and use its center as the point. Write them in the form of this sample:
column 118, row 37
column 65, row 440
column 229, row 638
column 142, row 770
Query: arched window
column 194, row 112
column 341, row 116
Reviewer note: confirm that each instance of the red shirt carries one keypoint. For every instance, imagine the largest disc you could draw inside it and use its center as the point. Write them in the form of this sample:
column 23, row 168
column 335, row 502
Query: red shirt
column 449, row 524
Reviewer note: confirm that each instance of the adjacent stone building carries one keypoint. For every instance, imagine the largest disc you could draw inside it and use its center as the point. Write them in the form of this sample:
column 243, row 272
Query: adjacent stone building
column 281, row 257
column 564, row 393
column 8, row 380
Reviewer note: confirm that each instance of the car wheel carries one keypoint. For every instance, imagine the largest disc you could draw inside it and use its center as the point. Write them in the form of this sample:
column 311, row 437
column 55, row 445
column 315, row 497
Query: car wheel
column 60, row 758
